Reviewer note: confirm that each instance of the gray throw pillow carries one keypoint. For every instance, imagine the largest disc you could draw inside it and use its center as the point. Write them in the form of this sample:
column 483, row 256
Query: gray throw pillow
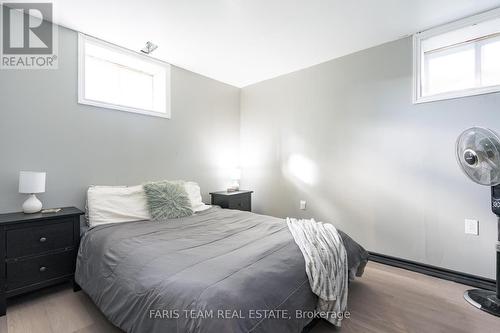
column 167, row 200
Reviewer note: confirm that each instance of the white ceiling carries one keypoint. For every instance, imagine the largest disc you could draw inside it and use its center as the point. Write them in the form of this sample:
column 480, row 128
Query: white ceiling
column 241, row 42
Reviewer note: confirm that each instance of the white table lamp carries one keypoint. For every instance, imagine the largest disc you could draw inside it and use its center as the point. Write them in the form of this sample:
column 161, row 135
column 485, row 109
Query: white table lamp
column 235, row 175
column 30, row 183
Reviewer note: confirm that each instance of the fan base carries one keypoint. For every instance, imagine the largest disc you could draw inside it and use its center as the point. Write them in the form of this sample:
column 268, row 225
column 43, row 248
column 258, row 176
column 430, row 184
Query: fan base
column 484, row 299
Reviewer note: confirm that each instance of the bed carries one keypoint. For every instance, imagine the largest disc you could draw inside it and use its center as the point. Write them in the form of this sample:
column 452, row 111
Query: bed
column 218, row 270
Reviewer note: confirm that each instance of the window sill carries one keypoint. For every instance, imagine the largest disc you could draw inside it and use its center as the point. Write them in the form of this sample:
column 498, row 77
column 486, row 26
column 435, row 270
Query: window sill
column 456, row 94
column 123, row 108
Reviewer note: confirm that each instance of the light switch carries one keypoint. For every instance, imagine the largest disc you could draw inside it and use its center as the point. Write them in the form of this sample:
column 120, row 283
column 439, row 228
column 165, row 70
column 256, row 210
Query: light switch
column 471, row 227
column 303, row 204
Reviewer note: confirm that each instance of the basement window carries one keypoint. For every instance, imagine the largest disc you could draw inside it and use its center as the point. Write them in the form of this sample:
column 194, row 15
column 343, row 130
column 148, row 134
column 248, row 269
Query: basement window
column 113, row 77
column 459, row 59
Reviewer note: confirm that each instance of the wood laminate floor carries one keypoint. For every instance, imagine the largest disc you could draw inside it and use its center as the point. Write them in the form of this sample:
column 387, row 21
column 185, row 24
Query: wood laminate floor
column 385, row 299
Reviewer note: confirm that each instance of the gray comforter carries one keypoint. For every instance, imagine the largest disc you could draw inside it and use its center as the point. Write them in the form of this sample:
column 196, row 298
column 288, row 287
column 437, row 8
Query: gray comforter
column 217, row 271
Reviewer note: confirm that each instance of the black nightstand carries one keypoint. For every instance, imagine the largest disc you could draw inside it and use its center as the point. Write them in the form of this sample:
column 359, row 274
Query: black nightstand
column 241, row 200
column 37, row 250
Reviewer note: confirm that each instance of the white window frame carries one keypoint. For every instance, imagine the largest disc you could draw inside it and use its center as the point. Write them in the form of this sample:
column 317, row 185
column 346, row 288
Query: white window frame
column 81, row 78
column 418, row 58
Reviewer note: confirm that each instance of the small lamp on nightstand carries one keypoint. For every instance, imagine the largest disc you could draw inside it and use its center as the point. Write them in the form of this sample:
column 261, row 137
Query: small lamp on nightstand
column 30, row 183
column 235, row 175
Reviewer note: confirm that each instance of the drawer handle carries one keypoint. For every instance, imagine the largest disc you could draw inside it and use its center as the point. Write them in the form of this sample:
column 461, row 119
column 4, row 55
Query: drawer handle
column 43, row 239
column 43, row 269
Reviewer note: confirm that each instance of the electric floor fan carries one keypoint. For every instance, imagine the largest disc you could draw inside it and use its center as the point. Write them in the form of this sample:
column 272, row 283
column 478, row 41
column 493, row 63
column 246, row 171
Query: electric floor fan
column 478, row 154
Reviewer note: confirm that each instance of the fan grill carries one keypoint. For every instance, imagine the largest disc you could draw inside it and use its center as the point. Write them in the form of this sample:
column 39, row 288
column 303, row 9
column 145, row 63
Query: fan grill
column 478, row 154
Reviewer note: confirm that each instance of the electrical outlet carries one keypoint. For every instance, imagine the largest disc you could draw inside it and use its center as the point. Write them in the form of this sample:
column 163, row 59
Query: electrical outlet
column 471, row 227
column 303, row 204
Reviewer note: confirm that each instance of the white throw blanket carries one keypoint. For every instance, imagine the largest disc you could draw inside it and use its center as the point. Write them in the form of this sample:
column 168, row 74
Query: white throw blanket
column 326, row 264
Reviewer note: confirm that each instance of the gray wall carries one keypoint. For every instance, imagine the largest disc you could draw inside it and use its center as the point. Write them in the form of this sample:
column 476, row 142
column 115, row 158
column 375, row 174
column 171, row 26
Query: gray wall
column 368, row 160
column 43, row 128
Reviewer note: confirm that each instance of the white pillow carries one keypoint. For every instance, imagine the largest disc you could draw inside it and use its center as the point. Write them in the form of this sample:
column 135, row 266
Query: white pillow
column 115, row 204
column 194, row 194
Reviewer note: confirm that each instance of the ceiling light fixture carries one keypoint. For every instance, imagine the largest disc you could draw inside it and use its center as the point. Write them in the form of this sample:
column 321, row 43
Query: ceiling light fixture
column 150, row 47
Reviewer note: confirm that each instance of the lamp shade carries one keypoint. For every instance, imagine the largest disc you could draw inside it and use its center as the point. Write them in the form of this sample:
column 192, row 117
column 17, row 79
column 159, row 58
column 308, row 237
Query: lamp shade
column 31, row 182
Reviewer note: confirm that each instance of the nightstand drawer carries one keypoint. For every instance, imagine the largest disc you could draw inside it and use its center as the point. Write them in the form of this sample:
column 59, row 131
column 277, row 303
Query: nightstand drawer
column 29, row 271
column 240, row 203
column 34, row 240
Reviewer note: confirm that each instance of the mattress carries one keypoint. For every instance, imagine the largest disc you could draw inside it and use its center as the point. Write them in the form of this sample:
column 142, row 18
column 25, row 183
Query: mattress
column 219, row 270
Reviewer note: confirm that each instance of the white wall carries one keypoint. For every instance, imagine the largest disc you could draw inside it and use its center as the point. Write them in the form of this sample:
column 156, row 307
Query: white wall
column 368, row 160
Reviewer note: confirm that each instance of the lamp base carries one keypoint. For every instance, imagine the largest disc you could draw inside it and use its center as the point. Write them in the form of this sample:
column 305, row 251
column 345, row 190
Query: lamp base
column 32, row 205
column 234, row 187
column 484, row 299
